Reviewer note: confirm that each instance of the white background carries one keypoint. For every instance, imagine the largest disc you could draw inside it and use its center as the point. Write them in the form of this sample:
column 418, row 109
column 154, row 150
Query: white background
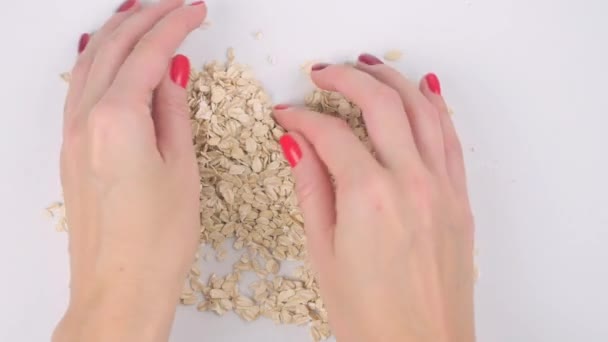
column 526, row 79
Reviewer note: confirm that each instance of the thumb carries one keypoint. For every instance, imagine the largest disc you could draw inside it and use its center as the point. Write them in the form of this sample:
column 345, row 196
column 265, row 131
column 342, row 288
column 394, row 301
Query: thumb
column 315, row 194
column 171, row 113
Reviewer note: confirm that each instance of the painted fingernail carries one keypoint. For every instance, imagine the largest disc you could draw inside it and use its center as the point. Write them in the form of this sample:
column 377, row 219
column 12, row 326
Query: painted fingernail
column 83, row 42
column 127, row 5
column 433, row 82
column 281, row 107
column 197, row 3
column 368, row 59
column 291, row 150
column 180, row 70
column 319, row 66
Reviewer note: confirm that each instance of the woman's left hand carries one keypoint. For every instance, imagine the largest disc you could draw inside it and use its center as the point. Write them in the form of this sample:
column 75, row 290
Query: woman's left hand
column 130, row 175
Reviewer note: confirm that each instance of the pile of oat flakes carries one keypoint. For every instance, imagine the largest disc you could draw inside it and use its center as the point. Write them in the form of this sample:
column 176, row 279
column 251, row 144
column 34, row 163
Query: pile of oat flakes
column 248, row 195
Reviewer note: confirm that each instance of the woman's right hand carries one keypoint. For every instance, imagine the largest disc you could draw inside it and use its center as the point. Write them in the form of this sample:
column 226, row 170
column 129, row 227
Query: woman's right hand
column 393, row 242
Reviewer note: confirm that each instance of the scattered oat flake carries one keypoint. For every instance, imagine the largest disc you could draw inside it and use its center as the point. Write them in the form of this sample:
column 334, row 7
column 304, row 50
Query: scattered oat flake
column 307, row 66
column 393, row 55
column 205, row 25
column 66, row 76
column 259, row 35
column 271, row 60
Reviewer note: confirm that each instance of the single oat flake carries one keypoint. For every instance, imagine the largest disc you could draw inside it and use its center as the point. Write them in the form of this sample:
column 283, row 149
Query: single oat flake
column 393, row 55
column 66, row 77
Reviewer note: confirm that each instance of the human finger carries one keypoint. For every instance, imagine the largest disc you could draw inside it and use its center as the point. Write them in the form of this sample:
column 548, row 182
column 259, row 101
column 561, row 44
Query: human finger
column 112, row 49
column 145, row 67
column 431, row 88
column 171, row 112
column 315, row 193
column 333, row 140
column 383, row 112
column 88, row 45
column 422, row 115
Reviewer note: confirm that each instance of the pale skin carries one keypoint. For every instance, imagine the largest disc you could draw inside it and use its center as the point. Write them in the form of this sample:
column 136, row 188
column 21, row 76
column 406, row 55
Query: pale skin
column 392, row 242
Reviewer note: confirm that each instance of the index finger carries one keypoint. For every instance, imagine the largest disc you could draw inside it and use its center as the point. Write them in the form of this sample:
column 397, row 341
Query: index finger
column 145, row 68
column 333, row 140
column 387, row 124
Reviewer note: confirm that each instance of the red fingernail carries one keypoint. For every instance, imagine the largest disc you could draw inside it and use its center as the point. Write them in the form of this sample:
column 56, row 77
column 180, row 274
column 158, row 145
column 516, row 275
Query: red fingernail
column 368, row 59
column 291, row 149
column 83, row 42
column 319, row 66
column 197, row 3
column 433, row 82
column 180, row 70
column 127, row 5
column 281, row 107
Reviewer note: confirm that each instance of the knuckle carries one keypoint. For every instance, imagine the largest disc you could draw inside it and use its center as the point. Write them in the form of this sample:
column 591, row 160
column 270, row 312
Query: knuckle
column 174, row 105
column 382, row 93
column 453, row 146
column 102, row 132
column 420, row 187
column 420, row 184
column 71, row 131
column 72, row 148
column 103, row 125
column 337, row 123
column 108, row 52
column 81, row 66
column 332, row 126
column 376, row 189
column 305, row 190
column 429, row 109
column 113, row 42
column 340, row 72
column 73, row 138
column 100, row 118
column 432, row 114
column 146, row 42
column 185, row 25
column 149, row 44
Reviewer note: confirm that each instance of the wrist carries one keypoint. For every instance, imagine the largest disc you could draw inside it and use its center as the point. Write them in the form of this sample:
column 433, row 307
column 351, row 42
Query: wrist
column 119, row 311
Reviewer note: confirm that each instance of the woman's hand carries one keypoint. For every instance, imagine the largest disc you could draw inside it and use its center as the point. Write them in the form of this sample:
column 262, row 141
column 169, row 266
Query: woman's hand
column 393, row 243
column 130, row 175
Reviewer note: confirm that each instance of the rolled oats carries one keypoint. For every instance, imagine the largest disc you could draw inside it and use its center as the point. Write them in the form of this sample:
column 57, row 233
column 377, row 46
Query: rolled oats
column 247, row 193
column 393, row 55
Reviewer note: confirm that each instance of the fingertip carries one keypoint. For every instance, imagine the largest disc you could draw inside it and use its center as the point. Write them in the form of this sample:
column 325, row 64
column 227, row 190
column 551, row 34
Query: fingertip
column 291, row 150
column 200, row 6
column 432, row 83
column 315, row 194
column 430, row 87
column 127, row 5
column 319, row 66
column 369, row 60
column 83, row 42
column 284, row 115
column 180, row 70
column 281, row 107
column 329, row 76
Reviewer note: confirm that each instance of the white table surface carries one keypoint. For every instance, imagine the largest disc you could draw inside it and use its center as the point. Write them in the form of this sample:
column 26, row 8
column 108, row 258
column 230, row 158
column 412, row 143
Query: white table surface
column 527, row 81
